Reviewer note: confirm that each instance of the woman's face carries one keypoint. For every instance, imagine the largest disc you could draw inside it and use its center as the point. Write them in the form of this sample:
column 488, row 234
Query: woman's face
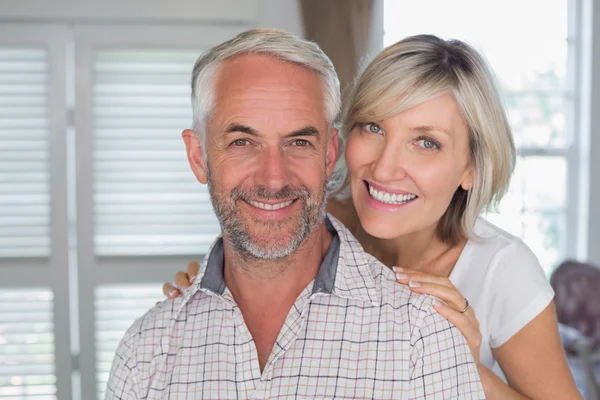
column 405, row 169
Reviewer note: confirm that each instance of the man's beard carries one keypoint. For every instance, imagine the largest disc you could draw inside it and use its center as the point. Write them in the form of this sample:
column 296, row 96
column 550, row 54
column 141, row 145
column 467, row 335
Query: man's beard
column 238, row 230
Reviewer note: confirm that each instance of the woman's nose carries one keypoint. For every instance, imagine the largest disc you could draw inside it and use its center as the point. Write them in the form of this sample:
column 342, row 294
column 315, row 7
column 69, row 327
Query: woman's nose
column 389, row 164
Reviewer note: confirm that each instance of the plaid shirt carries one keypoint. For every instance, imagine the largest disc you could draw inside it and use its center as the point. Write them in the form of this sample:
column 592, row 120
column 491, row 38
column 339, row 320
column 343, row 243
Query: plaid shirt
column 354, row 332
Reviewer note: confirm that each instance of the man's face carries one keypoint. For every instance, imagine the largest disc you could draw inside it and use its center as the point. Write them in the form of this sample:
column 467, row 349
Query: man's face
column 267, row 154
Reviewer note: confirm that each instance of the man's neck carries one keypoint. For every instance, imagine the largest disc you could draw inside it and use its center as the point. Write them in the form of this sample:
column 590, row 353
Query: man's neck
column 255, row 281
column 265, row 290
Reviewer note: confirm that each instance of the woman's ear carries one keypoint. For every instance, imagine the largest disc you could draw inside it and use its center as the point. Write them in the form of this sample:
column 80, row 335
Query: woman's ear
column 467, row 180
column 195, row 154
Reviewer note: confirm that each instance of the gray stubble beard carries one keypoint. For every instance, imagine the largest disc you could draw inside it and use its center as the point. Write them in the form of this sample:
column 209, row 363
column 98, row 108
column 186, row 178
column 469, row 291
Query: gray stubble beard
column 238, row 232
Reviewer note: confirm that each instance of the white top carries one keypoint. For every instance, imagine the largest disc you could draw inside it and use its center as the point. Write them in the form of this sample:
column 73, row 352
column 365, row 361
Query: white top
column 504, row 283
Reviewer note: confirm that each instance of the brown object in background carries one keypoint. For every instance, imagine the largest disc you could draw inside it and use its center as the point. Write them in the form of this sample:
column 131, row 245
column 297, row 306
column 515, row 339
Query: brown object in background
column 342, row 29
column 577, row 288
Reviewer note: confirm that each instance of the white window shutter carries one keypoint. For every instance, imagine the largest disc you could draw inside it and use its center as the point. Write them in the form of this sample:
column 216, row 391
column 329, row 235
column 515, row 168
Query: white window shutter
column 27, row 368
column 146, row 198
column 27, row 341
column 24, row 176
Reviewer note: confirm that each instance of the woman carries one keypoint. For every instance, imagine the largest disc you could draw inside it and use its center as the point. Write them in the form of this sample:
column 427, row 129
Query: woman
column 428, row 148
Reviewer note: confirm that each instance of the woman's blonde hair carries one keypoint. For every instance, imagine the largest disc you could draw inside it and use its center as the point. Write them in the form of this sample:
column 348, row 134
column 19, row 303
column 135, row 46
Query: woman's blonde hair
column 418, row 69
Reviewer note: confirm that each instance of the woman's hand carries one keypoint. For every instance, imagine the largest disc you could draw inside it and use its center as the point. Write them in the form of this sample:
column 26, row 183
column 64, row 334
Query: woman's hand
column 453, row 302
column 183, row 280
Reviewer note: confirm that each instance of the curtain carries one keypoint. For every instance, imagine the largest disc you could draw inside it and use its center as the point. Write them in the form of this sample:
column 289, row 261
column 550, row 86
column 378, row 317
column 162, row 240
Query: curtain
column 342, row 29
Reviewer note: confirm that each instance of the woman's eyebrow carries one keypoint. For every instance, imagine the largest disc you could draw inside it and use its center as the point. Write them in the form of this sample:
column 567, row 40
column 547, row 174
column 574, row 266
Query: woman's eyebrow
column 431, row 128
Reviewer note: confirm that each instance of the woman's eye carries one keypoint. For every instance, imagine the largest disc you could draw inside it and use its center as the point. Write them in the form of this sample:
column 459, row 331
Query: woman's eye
column 301, row 143
column 240, row 142
column 372, row 127
column 428, row 144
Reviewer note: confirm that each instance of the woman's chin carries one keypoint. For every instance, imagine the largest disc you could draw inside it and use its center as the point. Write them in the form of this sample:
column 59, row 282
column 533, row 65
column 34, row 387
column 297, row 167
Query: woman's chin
column 383, row 229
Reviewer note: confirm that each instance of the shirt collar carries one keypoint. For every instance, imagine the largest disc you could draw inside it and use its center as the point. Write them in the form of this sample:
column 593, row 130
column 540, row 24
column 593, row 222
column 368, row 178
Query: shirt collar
column 356, row 270
column 345, row 270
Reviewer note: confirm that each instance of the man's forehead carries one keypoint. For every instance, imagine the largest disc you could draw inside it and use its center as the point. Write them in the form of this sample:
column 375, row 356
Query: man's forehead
column 253, row 90
column 259, row 72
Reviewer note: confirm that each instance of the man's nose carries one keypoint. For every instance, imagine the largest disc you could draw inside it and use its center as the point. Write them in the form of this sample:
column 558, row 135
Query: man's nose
column 273, row 170
column 390, row 164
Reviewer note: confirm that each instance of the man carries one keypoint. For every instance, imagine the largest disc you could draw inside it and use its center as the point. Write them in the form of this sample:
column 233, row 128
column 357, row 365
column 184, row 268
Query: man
column 286, row 304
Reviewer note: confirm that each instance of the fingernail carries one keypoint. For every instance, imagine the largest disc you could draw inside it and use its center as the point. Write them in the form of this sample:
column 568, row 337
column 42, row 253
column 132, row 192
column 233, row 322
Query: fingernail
column 414, row 284
column 401, row 276
column 192, row 279
column 437, row 304
column 172, row 292
column 397, row 269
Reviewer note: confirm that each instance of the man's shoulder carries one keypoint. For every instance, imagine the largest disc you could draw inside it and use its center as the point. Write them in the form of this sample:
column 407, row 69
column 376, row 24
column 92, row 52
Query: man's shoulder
column 153, row 324
column 137, row 348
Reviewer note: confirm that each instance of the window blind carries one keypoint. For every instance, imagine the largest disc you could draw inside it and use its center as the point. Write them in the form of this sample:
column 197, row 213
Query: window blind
column 146, row 198
column 27, row 344
column 24, row 176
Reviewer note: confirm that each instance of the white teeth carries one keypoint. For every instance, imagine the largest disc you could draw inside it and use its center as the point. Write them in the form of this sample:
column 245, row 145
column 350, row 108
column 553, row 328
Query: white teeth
column 271, row 206
column 390, row 198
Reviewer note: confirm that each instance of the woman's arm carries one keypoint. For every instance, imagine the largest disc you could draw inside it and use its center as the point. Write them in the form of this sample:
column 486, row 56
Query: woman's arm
column 534, row 362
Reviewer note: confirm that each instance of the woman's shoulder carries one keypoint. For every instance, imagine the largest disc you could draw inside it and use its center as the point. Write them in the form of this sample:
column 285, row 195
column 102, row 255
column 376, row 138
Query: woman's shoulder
column 492, row 248
column 495, row 241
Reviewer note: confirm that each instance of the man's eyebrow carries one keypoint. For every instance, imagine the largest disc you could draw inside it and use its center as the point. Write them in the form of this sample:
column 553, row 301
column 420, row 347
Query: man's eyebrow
column 241, row 128
column 306, row 131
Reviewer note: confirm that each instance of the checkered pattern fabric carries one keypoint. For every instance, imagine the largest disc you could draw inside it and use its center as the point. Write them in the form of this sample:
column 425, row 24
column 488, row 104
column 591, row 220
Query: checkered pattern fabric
column 353, row 333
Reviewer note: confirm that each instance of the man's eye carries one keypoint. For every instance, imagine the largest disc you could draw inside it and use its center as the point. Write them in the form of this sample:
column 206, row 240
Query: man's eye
column 240, row 142
column 372, row 127
column 301, row 142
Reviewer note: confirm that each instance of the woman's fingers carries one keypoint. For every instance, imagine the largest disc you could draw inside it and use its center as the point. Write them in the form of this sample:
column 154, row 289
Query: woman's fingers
column 403, row 275
column 436, row 286
column 182, row 281
column 170, row 291
column 450, row 295
column 192, row 270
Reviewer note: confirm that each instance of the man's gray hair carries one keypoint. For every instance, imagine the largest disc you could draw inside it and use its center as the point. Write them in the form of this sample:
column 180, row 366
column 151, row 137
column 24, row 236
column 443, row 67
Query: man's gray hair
column 275, row 43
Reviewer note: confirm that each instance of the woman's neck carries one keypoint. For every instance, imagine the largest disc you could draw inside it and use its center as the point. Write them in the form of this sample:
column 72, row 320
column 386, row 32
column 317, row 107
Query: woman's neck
column 418, row 251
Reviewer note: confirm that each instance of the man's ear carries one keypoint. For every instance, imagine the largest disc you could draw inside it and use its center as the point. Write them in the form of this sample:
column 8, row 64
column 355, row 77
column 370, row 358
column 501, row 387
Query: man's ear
column 195, row 155
column 333, row 151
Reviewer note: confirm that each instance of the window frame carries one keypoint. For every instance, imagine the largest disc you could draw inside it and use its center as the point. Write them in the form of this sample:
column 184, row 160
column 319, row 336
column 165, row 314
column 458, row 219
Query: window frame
column 50, row 272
